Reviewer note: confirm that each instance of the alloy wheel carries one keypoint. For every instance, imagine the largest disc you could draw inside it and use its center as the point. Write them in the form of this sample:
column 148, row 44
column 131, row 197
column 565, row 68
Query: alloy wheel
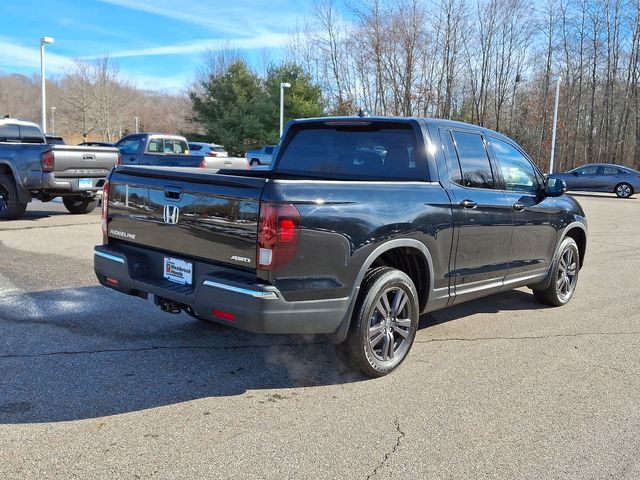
column 390, row 324
column 567, row 274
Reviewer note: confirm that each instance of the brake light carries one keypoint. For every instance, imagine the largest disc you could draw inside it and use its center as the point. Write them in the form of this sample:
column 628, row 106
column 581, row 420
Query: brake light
column 203, row 163
column 119, row 159
column 48, row 161
column 105, row 211
column 212, row 154
column 278, row 234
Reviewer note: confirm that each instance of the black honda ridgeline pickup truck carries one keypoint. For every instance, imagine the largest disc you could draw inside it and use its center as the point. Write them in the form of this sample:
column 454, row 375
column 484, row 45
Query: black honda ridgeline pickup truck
column 361, row 225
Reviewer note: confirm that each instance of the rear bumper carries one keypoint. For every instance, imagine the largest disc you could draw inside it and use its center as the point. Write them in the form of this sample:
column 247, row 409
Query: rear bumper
column 254, row 306
column 50, row 183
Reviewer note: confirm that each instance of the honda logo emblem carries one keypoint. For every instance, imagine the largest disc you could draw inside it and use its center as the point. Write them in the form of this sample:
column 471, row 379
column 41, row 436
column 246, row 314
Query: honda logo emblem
column 171, row 214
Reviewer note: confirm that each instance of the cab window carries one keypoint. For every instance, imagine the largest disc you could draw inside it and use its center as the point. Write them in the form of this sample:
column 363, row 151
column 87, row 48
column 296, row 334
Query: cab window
column 518, row 173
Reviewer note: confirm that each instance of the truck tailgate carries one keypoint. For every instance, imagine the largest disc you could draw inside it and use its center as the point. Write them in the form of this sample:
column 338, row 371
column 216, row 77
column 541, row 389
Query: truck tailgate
column 80, row 161
column 187, row 212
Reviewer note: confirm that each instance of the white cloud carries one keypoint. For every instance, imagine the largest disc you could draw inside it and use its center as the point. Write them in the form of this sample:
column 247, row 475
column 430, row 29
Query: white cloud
column 262, row 40
column 14, row 55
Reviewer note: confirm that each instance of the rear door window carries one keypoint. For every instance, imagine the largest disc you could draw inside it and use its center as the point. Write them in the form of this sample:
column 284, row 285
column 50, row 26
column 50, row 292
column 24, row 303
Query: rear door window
column 612, row 171
column 358, row 150
column 193, row 147
column 474, row 161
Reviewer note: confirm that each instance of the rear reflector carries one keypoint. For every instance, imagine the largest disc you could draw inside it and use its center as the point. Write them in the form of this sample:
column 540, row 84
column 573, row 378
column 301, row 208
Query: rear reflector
column 203, row 163
column 111, row 281
column 224, row 315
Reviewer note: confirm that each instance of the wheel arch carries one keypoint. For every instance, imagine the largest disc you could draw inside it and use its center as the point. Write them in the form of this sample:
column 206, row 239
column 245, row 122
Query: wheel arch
column 382, row 255
column 6, row 168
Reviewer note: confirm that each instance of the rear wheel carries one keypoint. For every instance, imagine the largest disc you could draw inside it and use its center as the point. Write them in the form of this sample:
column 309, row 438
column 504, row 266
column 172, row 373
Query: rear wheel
column 77, row 204
column 254, row 162
column 384, row 323
column 10, row 206
column 564, row 276
column 624, row 190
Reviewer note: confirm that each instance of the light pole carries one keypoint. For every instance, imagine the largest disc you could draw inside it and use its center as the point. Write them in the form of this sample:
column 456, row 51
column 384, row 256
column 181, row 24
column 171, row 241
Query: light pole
column 43, row 41
column 53, row 120
column 136, row 120
column 283, row 85
column 555, row 123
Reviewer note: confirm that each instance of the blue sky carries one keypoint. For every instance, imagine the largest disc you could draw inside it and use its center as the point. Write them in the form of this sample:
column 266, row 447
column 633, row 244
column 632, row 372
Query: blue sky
column 157, row 44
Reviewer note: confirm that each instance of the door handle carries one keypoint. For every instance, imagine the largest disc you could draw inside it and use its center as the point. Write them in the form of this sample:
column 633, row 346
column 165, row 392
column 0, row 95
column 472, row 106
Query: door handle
column 468, row 204
column 518, row 206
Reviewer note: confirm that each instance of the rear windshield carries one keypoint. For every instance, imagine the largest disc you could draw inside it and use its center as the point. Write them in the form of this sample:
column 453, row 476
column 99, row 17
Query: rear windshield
column 374, row 151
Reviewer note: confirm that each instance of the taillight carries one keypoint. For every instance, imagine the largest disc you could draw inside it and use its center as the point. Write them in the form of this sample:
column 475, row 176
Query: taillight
column 203, row 163
column 105, row 211
column 212, row 154
column 278, row 234
column 119, row 159
column 48, row 161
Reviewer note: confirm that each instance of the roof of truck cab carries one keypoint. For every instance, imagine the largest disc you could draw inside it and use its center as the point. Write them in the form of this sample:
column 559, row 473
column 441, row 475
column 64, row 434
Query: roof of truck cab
column 437, row 122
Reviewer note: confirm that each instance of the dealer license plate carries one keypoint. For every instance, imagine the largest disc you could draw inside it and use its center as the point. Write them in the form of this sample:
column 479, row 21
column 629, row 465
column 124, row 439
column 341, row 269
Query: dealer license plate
column 85, row 183
column 178, row 271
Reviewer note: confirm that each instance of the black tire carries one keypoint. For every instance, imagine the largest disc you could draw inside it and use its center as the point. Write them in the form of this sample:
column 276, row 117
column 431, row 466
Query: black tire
column 623, row 190
column 254, row 162
column 10, row 206
column 78, row 204
column 564, row 276
column 381, row 331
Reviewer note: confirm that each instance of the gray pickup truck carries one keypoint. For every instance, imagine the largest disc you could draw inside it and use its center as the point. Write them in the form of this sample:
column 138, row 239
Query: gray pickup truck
column 159, row 150
column 31, row 168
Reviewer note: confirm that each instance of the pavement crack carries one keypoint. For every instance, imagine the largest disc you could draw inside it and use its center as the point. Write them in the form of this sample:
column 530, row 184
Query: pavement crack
column 156, row 348
column 528, row 337
column 387, row 455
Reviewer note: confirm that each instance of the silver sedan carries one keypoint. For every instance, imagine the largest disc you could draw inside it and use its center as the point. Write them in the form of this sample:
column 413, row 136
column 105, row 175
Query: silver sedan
column 602, row 177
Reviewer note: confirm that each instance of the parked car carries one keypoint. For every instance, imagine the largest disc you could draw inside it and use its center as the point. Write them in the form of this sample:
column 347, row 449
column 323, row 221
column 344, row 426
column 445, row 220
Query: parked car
column 207, row 149
column 54, row 140
column 324, row 243
column 97, row 144
column 216, row 156
column 602, row 177
column 157, row 149
column 31, row 168
column 263, row 156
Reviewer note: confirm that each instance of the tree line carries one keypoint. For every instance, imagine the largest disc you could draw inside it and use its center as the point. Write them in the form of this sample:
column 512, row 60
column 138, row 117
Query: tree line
column 488, row 62
column 93, row 101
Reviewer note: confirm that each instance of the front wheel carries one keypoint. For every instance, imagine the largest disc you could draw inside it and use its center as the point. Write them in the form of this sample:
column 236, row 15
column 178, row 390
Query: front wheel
column 254, row 162
column 11, row 207
column 77, row 204
column 624, row 190
column 564, row 276
column 384, row 323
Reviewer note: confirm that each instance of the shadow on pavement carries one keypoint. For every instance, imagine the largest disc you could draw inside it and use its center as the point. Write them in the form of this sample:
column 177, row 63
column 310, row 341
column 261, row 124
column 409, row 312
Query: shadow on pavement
column 84, row 353
column 504, row 301
column 89, row 352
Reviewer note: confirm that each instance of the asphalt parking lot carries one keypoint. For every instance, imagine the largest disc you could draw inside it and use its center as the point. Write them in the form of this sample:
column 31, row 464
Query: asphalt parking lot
column 94, row 384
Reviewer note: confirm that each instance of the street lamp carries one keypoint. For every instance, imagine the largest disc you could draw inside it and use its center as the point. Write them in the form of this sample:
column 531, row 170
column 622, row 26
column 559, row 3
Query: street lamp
column 283, row 85
column 53, row 120
column 43, row 41
column 555, row 123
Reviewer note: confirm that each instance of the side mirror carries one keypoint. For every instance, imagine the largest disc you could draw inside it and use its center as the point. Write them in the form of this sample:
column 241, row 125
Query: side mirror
column 555, row 187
